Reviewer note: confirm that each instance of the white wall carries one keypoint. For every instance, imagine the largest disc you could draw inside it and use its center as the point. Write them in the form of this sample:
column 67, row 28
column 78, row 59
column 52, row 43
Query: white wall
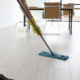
column 10, row 13
column 71, row 1
column 38, row 3
column 54, row 0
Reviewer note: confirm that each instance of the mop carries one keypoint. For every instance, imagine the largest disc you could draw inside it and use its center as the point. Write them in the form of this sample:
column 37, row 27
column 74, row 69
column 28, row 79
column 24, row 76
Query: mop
column 43, row 53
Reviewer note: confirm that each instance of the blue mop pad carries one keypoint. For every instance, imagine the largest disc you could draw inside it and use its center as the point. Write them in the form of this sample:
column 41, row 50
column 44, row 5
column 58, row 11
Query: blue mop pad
column 55, row 55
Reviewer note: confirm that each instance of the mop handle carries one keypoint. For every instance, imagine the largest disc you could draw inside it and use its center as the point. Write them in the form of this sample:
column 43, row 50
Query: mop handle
column 33, row 24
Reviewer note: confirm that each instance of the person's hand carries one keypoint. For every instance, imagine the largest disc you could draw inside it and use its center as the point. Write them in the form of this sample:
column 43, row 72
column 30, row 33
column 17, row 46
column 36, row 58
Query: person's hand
column 33, row 28
column 35, row 31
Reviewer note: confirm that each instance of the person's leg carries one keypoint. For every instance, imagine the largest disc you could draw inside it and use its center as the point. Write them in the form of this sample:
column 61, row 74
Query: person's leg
column 26, row 7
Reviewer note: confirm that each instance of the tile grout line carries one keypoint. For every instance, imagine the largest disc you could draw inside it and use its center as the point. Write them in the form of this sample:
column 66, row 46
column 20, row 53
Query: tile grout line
column 53, row 74
column 38, row 65
column 25, row 60
column 12, row 60
column 68, row 63
column 7, row 52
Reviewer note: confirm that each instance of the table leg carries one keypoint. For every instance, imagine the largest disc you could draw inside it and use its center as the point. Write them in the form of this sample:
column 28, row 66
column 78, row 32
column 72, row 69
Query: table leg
column 60, row 15
column 69, row 20
column 71, row 23
column 24, row 21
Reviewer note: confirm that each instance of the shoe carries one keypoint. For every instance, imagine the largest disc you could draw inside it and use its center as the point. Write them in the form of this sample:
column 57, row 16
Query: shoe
column 2, row 77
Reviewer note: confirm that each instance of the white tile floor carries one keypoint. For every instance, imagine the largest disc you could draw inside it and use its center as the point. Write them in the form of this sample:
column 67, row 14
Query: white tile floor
column 19, row 58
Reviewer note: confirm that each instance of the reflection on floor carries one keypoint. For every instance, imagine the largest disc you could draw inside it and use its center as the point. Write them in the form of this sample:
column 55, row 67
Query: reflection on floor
column 52, row 28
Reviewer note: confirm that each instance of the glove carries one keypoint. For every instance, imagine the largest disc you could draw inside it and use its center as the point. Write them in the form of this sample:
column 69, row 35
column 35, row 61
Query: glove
column 33, row 28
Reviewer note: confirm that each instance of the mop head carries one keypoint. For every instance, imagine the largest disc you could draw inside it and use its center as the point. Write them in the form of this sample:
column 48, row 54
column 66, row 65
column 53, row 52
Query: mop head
column 55, row 55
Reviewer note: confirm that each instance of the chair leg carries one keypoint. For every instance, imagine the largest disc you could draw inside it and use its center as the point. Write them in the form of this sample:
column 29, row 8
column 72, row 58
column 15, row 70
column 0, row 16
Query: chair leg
column 51, row 22
column 58, row 26
column 45, row 25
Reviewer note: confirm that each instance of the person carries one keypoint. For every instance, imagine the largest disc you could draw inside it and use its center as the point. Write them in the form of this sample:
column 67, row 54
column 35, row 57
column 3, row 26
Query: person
column 2, row 77
column 28, row 21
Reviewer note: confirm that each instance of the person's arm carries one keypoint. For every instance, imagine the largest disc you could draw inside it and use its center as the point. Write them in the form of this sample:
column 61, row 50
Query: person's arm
column 26, row 7
column 28, row 21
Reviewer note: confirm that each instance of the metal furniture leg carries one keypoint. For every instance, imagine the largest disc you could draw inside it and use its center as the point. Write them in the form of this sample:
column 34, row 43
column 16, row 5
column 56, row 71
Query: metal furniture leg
column 71, row 23
column 25, row 24
column 69, row 20
column 24, row 21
